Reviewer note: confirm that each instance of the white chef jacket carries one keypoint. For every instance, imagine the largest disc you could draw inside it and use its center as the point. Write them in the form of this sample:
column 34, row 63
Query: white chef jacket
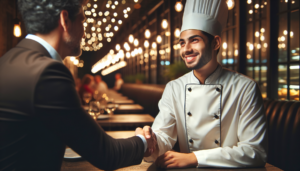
column 222, row 121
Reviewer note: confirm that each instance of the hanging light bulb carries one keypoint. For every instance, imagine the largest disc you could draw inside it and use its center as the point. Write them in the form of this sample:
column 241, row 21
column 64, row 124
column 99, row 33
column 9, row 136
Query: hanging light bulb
column 118, row 47
column 177, row 32
column 131, row 38
column 164, row 23
column 158, row 39
column 154, row 45
column 146, row 43
column 147, row 33
column 178, row 6
column 136, row 42
column 17, row 29
column 230, row 4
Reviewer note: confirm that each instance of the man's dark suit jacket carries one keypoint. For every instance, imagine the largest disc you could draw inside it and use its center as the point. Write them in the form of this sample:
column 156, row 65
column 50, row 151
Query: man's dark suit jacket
column 40, row 113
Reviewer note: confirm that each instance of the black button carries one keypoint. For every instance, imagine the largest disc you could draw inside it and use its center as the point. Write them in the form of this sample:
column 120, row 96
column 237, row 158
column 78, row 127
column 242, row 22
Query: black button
column 189, row 113
column 218, row 89
column 216, row 116
column 216, row 141
column 191, row 141
column 190, row 89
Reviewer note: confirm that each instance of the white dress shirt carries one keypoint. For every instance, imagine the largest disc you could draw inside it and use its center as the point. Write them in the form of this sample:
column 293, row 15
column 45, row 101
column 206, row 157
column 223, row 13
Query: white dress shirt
column 53, row 53
column 222, row 121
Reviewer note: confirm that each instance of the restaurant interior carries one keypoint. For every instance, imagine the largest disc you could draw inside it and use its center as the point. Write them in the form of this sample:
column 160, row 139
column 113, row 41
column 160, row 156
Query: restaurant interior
column 139, row 39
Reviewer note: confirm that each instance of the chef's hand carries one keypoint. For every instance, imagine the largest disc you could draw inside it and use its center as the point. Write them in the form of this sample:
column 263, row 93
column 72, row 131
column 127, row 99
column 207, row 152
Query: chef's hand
column 172, row 159
column 150, row 138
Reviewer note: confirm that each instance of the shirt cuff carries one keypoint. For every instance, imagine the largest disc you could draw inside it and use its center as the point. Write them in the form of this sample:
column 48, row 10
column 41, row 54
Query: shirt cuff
column 144, row 141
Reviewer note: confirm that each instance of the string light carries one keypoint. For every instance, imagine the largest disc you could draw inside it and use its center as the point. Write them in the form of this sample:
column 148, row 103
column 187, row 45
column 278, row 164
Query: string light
column 158, row 39
column 147, row 33
column 146, row 44
column 177, row 32
column 178, row 6
column 131, row 38
column 136, row 42
column 230, row 4
column 164, row 23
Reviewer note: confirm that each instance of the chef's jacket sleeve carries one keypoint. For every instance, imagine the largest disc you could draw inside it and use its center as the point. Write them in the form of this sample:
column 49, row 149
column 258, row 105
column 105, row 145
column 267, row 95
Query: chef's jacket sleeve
column 164, row 125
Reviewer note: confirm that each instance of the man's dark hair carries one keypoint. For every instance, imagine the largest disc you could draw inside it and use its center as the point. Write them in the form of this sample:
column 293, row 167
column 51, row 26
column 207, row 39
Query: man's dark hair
column 42, row 16
column 210, row 38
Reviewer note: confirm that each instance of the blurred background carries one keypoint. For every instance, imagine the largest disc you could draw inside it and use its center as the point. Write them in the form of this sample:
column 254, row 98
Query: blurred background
column 139, row 39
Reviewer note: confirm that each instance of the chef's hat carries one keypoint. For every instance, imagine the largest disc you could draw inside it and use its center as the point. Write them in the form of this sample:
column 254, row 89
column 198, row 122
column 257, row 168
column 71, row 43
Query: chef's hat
column 205, row 15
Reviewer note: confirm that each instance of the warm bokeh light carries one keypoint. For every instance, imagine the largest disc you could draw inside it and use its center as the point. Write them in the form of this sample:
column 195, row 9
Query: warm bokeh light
column 178, row 6
column 118, row 47
column 146, row 44
column 154, row 45
column 136, row 42
column 230, row 4
column 147, row 33
column 17, row 30
column 158, row 39
column 131, row 38
column 164, row 23
column 177, row 32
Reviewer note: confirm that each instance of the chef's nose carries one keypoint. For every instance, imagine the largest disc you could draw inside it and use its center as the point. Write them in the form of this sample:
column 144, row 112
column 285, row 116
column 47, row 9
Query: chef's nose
column 187, row 49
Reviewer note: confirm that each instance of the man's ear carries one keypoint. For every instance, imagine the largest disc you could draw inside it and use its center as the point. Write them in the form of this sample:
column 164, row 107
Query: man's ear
column 216, row 42
column 64, row 20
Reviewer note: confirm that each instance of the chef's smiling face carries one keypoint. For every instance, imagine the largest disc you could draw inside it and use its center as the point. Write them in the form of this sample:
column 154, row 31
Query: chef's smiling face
column 196, row 50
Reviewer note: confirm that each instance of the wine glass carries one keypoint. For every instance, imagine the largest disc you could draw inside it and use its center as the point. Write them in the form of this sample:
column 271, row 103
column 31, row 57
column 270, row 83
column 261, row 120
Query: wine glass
column 95, row 109
column 87, row 97
column 97, row 95
column 110, row 106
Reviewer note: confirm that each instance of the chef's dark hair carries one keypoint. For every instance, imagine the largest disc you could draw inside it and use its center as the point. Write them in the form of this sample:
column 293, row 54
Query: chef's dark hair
column 42, row 16
column 210, row 38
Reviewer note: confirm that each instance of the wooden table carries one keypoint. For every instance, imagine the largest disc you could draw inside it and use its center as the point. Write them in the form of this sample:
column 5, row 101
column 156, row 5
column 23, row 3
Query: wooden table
column 144, row 166
column 127, row 120
column 125, row 101
column 129, row 108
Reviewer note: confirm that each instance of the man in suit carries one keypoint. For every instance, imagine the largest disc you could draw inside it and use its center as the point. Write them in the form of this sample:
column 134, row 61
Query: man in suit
column 40, row 112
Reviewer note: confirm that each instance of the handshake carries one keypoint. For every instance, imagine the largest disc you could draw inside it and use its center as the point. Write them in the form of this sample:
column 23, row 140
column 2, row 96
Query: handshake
column 150, row 138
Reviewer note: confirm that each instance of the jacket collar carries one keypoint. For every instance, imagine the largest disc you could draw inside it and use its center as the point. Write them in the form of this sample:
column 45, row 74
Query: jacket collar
column 211, row 79
column 33, row 45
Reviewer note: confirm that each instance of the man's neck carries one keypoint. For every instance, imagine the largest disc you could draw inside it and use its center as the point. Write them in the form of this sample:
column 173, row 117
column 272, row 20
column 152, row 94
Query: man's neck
column 54, row 39
column 204, row 72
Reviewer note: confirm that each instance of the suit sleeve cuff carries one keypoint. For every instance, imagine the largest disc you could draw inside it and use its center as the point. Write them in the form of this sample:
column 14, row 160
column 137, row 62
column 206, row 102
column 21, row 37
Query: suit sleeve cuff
column 144, row 141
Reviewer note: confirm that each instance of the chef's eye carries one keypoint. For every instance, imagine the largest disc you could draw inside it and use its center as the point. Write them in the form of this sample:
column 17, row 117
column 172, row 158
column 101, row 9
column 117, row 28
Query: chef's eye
column 181, row 43
column 195, row 40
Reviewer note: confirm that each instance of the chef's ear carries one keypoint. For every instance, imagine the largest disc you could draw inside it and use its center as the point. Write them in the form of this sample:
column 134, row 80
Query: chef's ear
column 216, row 42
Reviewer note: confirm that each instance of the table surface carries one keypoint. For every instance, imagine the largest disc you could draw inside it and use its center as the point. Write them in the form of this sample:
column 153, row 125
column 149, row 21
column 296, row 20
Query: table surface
column 144, row 166
column 129, row 108
column 127, row 120
column 126, row 101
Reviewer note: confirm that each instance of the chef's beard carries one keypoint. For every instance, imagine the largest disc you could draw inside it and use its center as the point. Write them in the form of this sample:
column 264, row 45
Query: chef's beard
column 203, row 60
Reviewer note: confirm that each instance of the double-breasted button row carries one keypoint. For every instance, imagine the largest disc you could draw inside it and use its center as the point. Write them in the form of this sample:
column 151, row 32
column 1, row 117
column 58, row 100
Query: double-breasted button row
column 218, row 89
column 216, row 141
column 189, row 113
column 191, row 140
column 189, row 89
column 216, row 116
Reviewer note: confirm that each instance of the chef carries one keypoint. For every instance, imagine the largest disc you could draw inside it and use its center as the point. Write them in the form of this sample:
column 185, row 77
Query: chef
column 215, row 114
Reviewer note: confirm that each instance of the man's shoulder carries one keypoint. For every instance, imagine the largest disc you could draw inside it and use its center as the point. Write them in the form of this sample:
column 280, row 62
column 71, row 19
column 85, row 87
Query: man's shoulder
column 232, row 77
column 181, row 81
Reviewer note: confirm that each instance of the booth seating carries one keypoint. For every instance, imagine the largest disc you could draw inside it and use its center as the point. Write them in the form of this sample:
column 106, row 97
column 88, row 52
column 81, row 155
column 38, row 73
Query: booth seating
column 146, row 95
column 283, row 118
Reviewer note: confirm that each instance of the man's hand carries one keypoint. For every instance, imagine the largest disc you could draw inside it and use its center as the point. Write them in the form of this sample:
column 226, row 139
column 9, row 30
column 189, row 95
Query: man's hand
column 150, row 138
column 172, row 159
